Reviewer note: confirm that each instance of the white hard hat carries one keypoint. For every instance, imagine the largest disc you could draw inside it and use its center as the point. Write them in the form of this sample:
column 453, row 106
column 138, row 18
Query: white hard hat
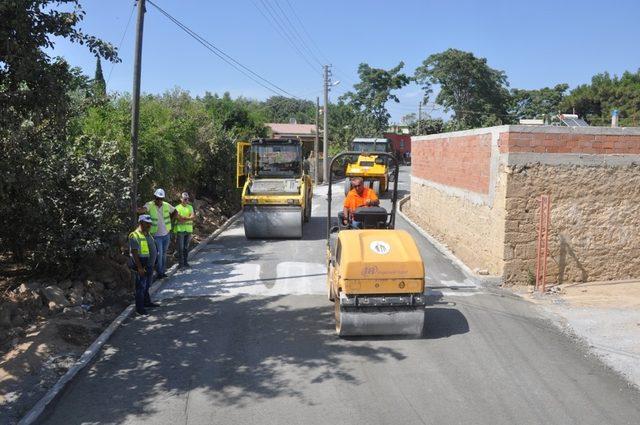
column 146, row 218
column 159, row 193
column 184, row 195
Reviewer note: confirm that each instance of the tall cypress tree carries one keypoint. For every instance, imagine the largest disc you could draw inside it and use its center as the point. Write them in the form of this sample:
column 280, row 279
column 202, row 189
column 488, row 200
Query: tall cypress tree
column 99, row 85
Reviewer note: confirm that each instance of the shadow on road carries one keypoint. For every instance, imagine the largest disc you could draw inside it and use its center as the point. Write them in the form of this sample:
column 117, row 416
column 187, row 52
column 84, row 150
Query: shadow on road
column 230, row 351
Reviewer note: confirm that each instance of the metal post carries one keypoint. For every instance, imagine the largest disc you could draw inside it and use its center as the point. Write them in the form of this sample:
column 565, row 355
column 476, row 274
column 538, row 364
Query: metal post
column 316, row 142
column 543, row 243
column 135, row 109
column 325, row 129
column 419, row 117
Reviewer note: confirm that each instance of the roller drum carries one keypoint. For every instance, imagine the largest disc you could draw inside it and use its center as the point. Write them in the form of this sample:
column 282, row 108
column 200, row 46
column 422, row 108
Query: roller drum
column 264, row 222
column 379, row 320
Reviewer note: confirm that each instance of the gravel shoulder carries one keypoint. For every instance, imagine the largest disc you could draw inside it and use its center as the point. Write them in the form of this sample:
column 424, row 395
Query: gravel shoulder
column 605, row 315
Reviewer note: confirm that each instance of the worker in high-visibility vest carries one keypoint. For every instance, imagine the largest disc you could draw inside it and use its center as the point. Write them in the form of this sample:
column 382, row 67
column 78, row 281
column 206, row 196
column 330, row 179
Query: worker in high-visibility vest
column 161, row 213
column 141, row 258
column 184, row 228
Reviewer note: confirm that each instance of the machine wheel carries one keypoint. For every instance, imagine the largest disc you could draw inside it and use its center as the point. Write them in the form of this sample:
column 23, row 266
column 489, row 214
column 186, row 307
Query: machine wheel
column 376, row 186
column 347, row 186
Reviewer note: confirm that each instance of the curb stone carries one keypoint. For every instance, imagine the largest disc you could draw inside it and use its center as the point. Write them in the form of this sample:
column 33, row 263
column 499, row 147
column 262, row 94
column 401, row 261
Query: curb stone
column 54, row 392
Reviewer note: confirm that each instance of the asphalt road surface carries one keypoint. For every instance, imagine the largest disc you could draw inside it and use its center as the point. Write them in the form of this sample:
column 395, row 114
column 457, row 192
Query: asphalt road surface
column 246, row 337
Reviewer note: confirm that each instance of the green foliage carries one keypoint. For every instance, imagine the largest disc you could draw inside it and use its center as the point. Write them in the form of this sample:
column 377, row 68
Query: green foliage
column 542, row 103
column 98, row 83
column 475, row 92
column 346, row 123
column 36, row 103
column 282, row 109
column 595, row 101
column 371, row 95
column 427, row 126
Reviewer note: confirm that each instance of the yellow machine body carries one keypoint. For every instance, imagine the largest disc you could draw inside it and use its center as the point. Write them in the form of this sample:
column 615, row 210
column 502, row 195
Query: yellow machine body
column 376, row 261
column 376, row 282
column 370, row 171
column 273, row 207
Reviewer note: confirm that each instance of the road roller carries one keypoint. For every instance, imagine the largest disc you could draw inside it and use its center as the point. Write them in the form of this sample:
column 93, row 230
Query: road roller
column 368, row 164
column 375, row 274
column 276, row 190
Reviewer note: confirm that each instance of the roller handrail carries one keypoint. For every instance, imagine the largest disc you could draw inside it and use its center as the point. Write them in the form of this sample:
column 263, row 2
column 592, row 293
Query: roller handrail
column 394, row 196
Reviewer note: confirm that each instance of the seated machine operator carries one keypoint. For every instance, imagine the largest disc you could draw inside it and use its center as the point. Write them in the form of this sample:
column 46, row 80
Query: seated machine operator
column 358, row 196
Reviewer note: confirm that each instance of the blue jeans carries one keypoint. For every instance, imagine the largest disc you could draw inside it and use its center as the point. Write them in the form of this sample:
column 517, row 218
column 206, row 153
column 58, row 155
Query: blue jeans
column 183, row 247
column 162, row 244
column 142, row 287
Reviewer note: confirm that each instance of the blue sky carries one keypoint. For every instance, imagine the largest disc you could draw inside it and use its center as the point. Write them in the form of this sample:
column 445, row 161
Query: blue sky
column 537, row 44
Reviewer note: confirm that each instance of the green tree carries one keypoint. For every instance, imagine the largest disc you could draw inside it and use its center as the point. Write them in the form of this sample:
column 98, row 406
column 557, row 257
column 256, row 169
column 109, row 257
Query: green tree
column 540, row 103
column 36, row 105
column 595, row 101
column 476, row 93
column 372, row 93
column 99, row 84
column 409, row 119
column 427, row 126
column 346, row 123
column 282, row 109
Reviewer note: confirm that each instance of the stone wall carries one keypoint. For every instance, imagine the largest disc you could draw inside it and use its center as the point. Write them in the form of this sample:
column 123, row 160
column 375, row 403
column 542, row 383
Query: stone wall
column 591, row 174
column 458, row 196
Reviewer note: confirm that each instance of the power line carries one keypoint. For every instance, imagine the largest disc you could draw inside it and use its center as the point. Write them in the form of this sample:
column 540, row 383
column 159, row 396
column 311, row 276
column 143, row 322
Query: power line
column 307, row 32
column 246, row 71
column 124, row 34
column 274, row 22
column 339, row 72
column 299, row 37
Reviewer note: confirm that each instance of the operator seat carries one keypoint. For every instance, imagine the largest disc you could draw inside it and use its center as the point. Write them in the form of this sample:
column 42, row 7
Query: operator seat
column 371, row 217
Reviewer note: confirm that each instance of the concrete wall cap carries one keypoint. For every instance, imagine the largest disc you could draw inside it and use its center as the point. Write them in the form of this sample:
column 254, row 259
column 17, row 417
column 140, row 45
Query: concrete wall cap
column 543, row 129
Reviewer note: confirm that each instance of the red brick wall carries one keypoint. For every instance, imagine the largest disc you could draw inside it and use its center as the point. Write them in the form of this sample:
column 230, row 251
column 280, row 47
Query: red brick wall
column 463, row 162
column 569, row 143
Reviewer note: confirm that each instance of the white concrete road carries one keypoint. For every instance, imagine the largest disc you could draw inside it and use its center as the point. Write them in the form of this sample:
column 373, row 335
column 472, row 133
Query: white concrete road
column 246, row 336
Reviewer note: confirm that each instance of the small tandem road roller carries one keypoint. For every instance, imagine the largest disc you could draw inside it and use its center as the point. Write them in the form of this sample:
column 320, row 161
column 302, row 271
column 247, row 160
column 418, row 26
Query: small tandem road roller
column 375, row 274
column 369, row 164
column 276, row 190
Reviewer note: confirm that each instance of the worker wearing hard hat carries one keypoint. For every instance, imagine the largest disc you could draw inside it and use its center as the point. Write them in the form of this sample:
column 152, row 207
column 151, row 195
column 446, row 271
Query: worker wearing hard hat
column 358, row 196
column 161, row 213
column 184, row 228
column 141, row 259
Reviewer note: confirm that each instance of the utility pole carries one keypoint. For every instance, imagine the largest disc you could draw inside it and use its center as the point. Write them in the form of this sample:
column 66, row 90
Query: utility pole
column 316, row 142
column 325, row 138
column 419, row 117
column 135, row 109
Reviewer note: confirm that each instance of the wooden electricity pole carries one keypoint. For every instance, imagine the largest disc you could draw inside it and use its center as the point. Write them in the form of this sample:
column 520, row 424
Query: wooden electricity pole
column 135, row 109
column 316, row 142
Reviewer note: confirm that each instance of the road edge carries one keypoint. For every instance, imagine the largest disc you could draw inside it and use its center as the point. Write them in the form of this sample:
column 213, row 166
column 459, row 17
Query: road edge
column 52, row 394
column 494, row 281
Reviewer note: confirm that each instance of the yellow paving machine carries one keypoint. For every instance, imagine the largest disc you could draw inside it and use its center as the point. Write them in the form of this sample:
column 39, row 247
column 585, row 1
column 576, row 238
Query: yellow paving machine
column 375, row 274
column 368, row 164
column 276, row 190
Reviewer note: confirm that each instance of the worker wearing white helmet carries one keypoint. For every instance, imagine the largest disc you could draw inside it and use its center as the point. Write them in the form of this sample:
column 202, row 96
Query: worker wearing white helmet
column 142, row 254
column 161, row 213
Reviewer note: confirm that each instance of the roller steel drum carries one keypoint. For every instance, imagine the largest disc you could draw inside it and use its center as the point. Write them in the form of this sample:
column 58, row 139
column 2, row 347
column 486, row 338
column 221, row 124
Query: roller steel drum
column 379, row 321
column 265, row 221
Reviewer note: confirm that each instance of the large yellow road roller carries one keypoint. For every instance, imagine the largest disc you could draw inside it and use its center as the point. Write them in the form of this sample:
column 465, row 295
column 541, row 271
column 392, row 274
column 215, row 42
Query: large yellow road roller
column 375, row 274
column 368, row 164
column 276, row 190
